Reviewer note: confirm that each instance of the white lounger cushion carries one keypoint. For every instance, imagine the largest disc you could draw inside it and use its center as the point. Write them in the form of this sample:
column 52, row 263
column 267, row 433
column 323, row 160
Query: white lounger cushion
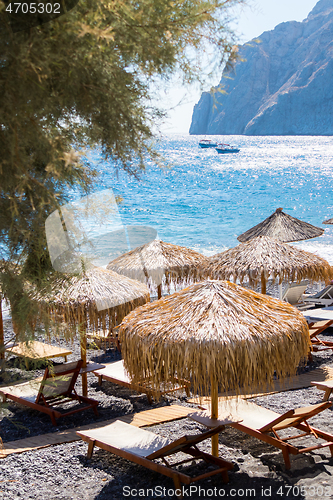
column 294, row 291
column 29, row 390
column 250, row 414
column 128, row 438
column 115, row 370
column 236, row 410
column 26, row 390
column 324, row 297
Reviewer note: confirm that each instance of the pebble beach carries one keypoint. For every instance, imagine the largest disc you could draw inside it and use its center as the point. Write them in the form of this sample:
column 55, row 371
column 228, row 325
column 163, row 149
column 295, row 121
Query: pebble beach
column 63, row 472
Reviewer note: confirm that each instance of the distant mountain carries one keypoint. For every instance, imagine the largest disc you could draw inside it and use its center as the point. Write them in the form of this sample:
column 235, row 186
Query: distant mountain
column 281, row 85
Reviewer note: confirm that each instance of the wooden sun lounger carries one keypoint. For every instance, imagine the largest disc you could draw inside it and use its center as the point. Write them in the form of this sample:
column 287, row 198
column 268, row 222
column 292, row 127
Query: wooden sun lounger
column 265, row 424
column 143, row 447
column 105, row 338
column 322, row 298
column 54, row 388
column 116, row 373
column 326, row 385
column 317, row 344
column 38, row 350
column 294, row 291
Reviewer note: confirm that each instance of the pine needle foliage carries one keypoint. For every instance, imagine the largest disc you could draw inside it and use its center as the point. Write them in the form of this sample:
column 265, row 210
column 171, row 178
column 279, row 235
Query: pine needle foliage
column 80, row 81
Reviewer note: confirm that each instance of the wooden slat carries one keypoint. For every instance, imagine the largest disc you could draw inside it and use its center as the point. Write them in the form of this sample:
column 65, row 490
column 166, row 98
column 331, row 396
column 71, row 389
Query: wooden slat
column 142, row 419
column 91, row 367
column 159, row 415
column 38, row 350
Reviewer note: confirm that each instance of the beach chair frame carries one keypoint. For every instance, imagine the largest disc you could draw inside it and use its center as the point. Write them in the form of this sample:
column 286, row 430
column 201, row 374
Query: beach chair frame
column 56, row 387
column 185, row 444
column 322, row 298
column 326, row 386
column 293, row 293
column 245, row 412
column 115, row 373
column 316, row 343
column 297, row 419
column 105, row 339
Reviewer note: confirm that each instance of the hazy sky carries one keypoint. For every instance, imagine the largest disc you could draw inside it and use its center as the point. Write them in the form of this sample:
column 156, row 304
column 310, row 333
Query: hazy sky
column 254, row 19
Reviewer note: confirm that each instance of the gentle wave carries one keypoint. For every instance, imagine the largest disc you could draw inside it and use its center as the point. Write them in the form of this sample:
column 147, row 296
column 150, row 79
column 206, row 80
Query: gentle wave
column 205, row 200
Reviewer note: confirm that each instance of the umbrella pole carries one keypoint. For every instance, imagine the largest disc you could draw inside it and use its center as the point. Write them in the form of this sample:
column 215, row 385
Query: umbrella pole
column 83, row 344
column 263, row 283
column 159, row 291
column 214, row 414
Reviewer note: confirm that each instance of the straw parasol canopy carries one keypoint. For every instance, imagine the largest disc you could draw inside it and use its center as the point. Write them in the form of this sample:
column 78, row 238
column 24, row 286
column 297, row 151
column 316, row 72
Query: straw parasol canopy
column 156, row 260
column 328, row 221
column 282, row 227
column 261, row 257
column 216, row 334
column 97, row 299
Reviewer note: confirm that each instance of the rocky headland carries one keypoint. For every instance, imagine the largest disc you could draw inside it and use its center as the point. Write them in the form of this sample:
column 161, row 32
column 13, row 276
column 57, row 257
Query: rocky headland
column 280, row 85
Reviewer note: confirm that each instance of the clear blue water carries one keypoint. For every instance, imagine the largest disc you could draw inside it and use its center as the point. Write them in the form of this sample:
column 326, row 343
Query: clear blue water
column 205, row 200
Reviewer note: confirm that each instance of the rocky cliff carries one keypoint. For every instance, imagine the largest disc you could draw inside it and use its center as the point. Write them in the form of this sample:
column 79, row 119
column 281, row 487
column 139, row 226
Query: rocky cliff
column 282, row 83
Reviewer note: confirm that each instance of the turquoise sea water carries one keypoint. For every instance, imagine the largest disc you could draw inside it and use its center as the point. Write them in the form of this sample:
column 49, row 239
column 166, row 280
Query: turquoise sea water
column 205, row 200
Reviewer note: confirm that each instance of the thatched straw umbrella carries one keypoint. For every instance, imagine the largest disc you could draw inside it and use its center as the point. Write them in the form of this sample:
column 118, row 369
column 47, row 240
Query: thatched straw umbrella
column 282, row 227
column 98, row 299
column 216, row 334
column 328, row 221
column 151, row 262
column 261, row 257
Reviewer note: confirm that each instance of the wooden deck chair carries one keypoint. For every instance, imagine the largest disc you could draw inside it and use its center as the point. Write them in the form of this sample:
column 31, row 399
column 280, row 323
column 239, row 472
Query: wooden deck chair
column 105, row 339
column 294, row 291
column 54, row 388
column 317, row 344
column 35, row 350
column 265, row 425
column 116, row 373
column 144, row 447
column 326, row 386
column 323, row 298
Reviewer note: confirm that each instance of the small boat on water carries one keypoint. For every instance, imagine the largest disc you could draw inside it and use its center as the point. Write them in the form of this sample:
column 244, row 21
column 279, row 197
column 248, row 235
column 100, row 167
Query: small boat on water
column 207, row 143
column 226, row 148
